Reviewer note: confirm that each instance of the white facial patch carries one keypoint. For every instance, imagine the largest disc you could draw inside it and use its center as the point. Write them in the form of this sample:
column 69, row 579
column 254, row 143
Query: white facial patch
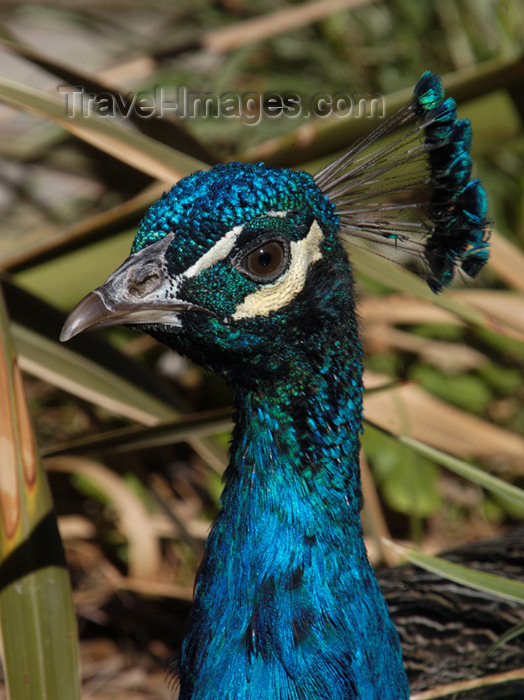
column 272, row 297
column 218, row 252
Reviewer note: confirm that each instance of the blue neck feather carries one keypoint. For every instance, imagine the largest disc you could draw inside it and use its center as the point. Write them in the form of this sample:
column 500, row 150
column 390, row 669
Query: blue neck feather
column 287, row 605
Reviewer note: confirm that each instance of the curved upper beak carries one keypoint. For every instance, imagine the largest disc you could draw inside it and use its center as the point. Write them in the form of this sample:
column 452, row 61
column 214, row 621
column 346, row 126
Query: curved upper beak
column 92, row 312
column 140, row 291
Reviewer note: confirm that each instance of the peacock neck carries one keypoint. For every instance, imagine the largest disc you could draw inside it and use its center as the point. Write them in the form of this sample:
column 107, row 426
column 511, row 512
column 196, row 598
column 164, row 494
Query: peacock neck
column 297, row 440
column 286, row 604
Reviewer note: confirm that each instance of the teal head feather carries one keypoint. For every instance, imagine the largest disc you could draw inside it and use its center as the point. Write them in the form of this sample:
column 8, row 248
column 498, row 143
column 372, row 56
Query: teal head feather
column 221, row 220
column 243, row 269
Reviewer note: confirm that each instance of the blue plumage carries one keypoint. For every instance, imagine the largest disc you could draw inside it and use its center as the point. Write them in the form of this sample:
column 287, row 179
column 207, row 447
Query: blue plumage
column 242, row 269
column 286, row 573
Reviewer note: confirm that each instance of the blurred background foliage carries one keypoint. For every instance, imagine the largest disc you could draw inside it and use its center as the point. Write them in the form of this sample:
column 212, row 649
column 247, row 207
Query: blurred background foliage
column 134, row 491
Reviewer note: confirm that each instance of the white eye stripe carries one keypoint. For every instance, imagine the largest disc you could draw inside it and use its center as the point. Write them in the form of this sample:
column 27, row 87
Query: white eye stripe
column 218, row 252
column 272, row 297
column 279, row 214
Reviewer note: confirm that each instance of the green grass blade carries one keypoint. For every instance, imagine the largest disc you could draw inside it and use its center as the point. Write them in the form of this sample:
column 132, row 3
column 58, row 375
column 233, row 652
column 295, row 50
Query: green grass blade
column 92, row 369
column 170, row 132
column 480, row 580
column 57, row 364
column 321, row 137
column 400, row 279
column 140, row 151
column 463, row 469
column 469, row 471
column 184, row 429
column 96, row 228
column 37, row 618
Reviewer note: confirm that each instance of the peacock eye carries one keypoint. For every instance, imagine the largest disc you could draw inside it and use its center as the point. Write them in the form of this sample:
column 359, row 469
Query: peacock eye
column 267, row 261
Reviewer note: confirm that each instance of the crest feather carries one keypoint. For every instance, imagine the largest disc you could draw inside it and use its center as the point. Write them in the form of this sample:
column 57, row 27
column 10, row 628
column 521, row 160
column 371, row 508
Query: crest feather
column 412, row 193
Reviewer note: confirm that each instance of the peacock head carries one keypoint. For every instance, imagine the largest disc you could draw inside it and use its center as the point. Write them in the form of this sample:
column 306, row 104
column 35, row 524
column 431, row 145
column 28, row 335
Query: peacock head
column 233, row 267
column 242, row 267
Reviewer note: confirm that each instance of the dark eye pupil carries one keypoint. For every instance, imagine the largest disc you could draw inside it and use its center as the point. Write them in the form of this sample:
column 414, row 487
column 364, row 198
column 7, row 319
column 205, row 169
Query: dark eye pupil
column 265, row 260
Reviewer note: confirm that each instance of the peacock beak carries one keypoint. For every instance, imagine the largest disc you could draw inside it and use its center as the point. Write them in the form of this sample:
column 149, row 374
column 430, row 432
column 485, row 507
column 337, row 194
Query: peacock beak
column 139, row 292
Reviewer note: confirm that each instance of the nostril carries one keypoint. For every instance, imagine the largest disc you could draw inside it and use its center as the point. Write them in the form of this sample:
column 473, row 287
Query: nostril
column 142, row 282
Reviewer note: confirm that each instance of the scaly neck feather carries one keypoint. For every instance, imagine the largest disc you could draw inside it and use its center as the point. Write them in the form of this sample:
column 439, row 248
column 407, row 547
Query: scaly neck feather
column 287, row 605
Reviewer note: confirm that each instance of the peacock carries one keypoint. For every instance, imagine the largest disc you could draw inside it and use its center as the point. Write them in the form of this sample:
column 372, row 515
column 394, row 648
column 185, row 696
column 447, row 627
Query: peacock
column 243, row 269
